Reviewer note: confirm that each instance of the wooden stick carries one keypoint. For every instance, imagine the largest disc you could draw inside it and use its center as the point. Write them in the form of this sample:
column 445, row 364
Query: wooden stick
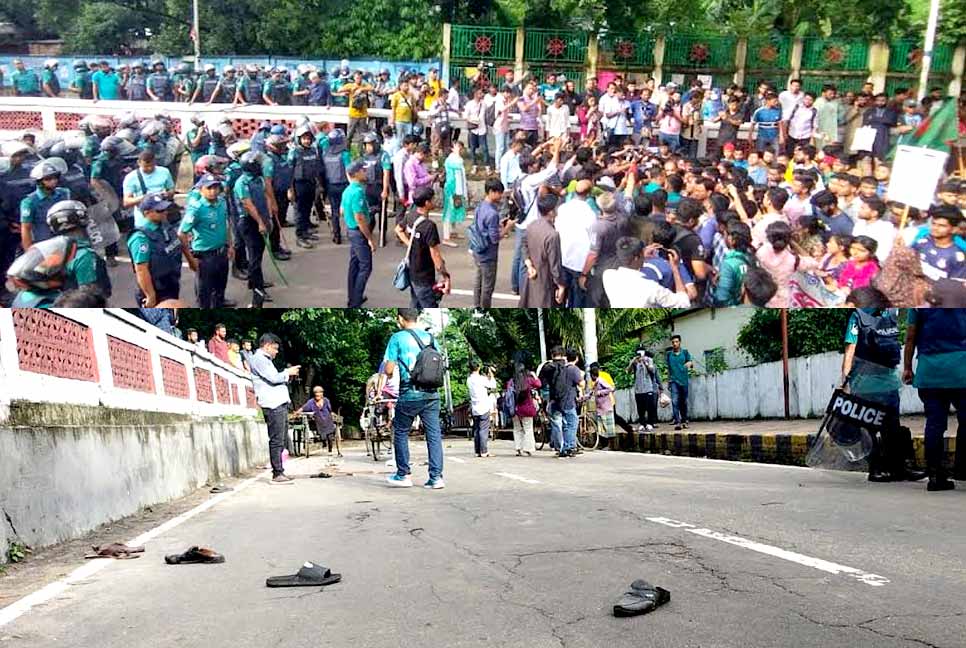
column 905, row 217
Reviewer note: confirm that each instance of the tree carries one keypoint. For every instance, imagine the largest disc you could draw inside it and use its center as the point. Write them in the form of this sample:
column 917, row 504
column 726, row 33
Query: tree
column 809, row 332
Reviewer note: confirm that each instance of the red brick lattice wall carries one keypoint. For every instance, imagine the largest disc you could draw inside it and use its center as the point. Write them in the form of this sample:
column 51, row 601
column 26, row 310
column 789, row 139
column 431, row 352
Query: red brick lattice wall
column 221, row 389
column 203, row 385
column 250, row 398
column 234, row 395
column 174, row 375
column 21, row 120
column 67, row 121
column 54, row 345
column 245, row 128
column 130, row 365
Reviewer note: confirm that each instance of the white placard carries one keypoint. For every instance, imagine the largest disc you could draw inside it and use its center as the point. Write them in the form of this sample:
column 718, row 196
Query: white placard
column 915, row 173
column 864, row 139
column 677, row 79
column 706, row 81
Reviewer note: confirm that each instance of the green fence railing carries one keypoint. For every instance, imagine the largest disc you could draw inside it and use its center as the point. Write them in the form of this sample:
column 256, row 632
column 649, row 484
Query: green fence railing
column 483, row 43
column 698, row 51
column 555, row 46
column 906, row 56
column 834, row 54
column 622, row 51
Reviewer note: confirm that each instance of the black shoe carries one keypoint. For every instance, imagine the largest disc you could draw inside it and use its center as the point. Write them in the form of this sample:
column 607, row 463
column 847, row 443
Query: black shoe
column 677, row 427
column 337, row 240
column 936, row 485
column 684, row 425
column 959, row 474
column 881, row 477
column 282, row 255
column 239, row 273
column 229, row 303
column 911, row 474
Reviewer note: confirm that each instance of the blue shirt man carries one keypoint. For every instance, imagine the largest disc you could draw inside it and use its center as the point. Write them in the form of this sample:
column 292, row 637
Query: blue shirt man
column 402, row 354
column 271, row 393
column 679, row 365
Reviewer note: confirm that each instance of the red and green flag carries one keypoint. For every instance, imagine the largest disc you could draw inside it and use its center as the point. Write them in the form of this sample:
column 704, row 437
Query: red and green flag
column 940, row 130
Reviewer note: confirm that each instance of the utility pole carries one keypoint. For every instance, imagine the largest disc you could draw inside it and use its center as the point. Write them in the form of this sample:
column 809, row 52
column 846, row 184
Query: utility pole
column 543, row 337
column 927, row 49
column 197, row 30
column 590, row 335
column 784, row 320
column 447, row 386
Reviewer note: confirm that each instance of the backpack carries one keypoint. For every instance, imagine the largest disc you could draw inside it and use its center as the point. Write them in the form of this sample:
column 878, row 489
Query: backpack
column 477, row 241
column 360, row 101
column 517, row 204
column 427, row 374
column 509, row 401
column 558, row 382
column 878, row 341
column 489, row 115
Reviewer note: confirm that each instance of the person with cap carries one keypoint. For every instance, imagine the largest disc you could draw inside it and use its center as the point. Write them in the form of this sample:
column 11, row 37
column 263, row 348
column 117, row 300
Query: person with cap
column 300, row 86
column 184, row 83
column 156, row 252
column 378, row 167
column 207, row 85
column 277, row 173
column 25, row 81
column 261, row 133
column 358, row 93
column 270, row 88
column 354, row 208
column 204, row 229
column 81, row 83
column 306, row 162
column 159, row 86
column 249, row 87
column 148, row 178
column 254, row 220
column 33, row 208
column 49, row 81
column 335, row 161
column 137, row 84
column 909, row 121
column 105, row 83
column 233, row 172
column 226, row 90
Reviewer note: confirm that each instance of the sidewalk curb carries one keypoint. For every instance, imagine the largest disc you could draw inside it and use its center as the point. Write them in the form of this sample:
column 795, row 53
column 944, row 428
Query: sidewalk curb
column 787, row 449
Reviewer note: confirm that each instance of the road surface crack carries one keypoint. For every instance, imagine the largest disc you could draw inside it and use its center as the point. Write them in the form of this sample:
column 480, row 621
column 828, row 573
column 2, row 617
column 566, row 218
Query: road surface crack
column 864, row 625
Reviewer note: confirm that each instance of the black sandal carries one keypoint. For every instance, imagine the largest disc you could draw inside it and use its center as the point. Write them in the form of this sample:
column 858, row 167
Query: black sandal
column 310, row 575
column 641, row 599
column 195, row 555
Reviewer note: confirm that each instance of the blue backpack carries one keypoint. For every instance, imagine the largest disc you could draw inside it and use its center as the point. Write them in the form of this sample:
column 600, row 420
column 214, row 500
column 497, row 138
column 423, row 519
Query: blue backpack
column 477, row 241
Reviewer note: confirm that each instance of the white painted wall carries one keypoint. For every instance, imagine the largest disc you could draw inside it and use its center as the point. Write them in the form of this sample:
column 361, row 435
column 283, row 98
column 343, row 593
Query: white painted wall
column 713, row 328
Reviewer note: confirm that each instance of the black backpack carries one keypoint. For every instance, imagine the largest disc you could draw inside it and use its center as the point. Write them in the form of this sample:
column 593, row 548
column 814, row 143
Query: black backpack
column 427, row 374
column 558, row 382
column 878, row 341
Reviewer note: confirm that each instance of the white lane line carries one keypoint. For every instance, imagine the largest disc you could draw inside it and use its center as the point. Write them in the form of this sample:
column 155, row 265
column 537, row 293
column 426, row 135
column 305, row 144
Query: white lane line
column 519, row 478
column 48, row 592
column 496, row 295
column 457, row 460
column 873, row 580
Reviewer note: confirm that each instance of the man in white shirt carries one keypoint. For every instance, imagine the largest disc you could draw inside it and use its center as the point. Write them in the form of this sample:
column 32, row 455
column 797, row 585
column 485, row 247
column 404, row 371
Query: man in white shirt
column 530, row 188
column 505, row 101
column 558, row 117
column 790, row 98
column 575, row 223
column 611, row 108
column 399, row 160
column 481, row 405
column 799, row 128
column 510, row 164
column 870, row 223
column 626, row 287
column 473, row 113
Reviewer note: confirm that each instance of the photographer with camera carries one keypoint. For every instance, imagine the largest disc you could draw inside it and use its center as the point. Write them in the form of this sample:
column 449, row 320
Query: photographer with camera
column 670, row 121
column 271, row 393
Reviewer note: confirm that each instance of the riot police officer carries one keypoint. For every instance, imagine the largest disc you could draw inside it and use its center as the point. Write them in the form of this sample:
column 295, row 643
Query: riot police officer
column 300, row 85
column 25, row 81
column 275, row 89
column 249, row 87
column 137, row 84
column 184, row 83
column 49, row 80
column 254, row 220
column 108, row 169
column 378, row 168
column 206, row 222
column 227, row 86
column 159, row 83
column 156, row 252
column 207, row 85
column 335, row 161
column 198, row 138
column 233, row 171
column 33, row 208
column 306, row 169
column 277, row 172
column 82, row 84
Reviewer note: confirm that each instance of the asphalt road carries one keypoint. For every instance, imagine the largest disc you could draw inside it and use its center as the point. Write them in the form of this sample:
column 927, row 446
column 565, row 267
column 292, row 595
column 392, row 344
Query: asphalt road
column 318, row 277
column 532, row 552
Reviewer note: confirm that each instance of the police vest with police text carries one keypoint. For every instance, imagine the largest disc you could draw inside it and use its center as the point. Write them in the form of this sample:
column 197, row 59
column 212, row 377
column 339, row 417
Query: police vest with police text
column 253, row 90
column 137, row 88
column 228, row 89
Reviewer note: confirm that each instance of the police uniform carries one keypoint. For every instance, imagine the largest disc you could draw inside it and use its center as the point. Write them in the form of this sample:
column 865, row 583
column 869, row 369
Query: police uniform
column 279, row 170
column 228, row 88
column 250, row 187
column 160, row 84
column 25, row 84
column 306, row 168
column 375, row 165
column 50, row 78
column 298, row 85
column 360, row 256
column 207, row 222
column 251, row 89
column 136, row 87
column 158, row 245
column 204, row 147
column 334, row 164
column 83, row 84
column 208, row 84
column 33, row 210
column 232, row 172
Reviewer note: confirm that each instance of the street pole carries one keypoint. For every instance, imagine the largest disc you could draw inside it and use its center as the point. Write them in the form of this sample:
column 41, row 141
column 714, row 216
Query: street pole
column 590, row 335
column 927, row 49
column 447, row 386
column 543, row 338
column 784, row 319
column 194, row 18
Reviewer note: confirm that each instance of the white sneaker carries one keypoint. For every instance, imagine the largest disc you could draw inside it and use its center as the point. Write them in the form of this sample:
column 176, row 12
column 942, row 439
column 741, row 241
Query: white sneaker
column 399, row 482
column 435, row 484
column 649, row 428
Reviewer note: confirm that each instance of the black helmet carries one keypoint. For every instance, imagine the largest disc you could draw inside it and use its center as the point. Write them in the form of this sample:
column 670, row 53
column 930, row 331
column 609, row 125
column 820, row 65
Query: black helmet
column 42, row 266
column 67, row 215
column 251, row 162
column 117, row 146
column 370, row 138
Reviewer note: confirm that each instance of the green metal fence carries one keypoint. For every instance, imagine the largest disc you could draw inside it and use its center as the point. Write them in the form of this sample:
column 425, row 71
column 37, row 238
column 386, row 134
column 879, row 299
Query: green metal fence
column 835, row 54
column 814, row 83
column 459, row 77
column 698, row 51
column 906, row 56
column 575, row 73
column 555, row 46
column 625, row 51
column 483, row 43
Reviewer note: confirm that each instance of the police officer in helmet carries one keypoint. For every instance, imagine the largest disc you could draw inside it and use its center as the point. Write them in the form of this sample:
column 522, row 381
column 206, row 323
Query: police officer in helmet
column 156, row 252
column 278, row 180
column 335, row 161
column 307, row 168
column 159, row 83
column 33, row 208
column 254, row 221
column 207, row 85
column 378, row 167
column 137, row 84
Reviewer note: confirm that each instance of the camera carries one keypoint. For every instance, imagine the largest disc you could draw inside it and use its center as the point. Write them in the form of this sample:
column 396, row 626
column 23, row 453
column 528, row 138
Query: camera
column 662, row 252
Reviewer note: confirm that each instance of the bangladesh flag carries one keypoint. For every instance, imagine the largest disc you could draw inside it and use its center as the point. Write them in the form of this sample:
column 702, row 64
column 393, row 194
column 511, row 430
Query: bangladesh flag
column 939, row 131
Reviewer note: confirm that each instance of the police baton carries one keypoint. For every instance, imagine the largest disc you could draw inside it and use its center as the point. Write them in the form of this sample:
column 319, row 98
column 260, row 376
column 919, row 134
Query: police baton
column 382, row 223
column 271, row 255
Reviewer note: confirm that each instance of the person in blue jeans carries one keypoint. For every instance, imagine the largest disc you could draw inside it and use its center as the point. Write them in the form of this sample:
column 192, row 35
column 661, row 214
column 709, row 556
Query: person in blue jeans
column 679, row 365
column 937, row 336
column 401, row 354
column 563, row 380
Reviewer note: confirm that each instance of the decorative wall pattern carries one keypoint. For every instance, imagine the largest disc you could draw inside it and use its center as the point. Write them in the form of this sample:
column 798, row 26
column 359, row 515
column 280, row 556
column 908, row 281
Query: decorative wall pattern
column 175, row 378
column 130, row 365
column 52, row 344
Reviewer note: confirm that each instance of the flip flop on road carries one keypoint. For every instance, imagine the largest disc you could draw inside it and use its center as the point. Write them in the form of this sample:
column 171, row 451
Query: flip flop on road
column 195, row 555
column 115, row 550
column 641, row 599
column 310, row 575
column 221, row 488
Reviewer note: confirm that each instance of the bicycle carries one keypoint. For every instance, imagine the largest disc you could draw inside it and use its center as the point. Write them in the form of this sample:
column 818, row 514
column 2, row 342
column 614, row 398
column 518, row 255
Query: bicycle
column 376, row 420
column 589, row 427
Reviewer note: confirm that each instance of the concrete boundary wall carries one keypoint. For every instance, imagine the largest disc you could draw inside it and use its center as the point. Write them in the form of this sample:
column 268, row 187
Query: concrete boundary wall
column 756, row 392
column 117, row 360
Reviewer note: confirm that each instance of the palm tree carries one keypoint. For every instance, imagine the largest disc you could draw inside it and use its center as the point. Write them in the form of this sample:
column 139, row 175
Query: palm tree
column 614, row 325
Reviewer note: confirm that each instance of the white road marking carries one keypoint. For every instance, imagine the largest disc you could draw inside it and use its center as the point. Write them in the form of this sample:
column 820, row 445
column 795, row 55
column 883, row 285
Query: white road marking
column 873, row 580
column 88, row 569
column 496, row 295
column 519, row 478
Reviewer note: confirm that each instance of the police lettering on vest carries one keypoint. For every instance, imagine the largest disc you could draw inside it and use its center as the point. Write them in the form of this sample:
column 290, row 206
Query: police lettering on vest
column 282, row 179
column 373, row 170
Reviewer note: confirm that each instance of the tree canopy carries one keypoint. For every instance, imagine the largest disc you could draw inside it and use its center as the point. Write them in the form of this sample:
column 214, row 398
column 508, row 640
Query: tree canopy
column 413, row 29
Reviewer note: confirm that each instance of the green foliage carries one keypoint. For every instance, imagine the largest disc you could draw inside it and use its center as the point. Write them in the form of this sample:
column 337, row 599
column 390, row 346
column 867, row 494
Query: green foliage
column 622, row 352
column 809, row 332
column 715, row 361
column 17, row 552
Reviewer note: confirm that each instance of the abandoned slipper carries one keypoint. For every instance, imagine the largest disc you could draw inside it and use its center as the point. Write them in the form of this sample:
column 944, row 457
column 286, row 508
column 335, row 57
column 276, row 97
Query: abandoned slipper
column 322, row 475
column 310, row 575
column 641, row 599
column 195, row 555
column 115, row 550
column 221, row 488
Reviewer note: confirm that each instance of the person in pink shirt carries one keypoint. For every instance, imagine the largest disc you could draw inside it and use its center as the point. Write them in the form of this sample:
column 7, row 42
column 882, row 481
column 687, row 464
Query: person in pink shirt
column 218, row 345
column 415, row 174
column 862, row 266
column 781, row 262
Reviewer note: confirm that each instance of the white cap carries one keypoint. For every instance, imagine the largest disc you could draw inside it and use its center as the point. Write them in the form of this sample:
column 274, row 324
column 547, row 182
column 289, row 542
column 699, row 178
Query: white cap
column 49, row 63
column 209, row 67
column 228, row 68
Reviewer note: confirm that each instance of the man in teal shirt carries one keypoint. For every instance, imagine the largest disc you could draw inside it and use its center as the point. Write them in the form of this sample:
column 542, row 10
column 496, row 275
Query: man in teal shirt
column 206, row 223
column 25, row 82
column 355, row 211
column 938, row 337
column 156, row 253
column 106, row 83
column 679, row 365
column 49, row 80
column 82, row 81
